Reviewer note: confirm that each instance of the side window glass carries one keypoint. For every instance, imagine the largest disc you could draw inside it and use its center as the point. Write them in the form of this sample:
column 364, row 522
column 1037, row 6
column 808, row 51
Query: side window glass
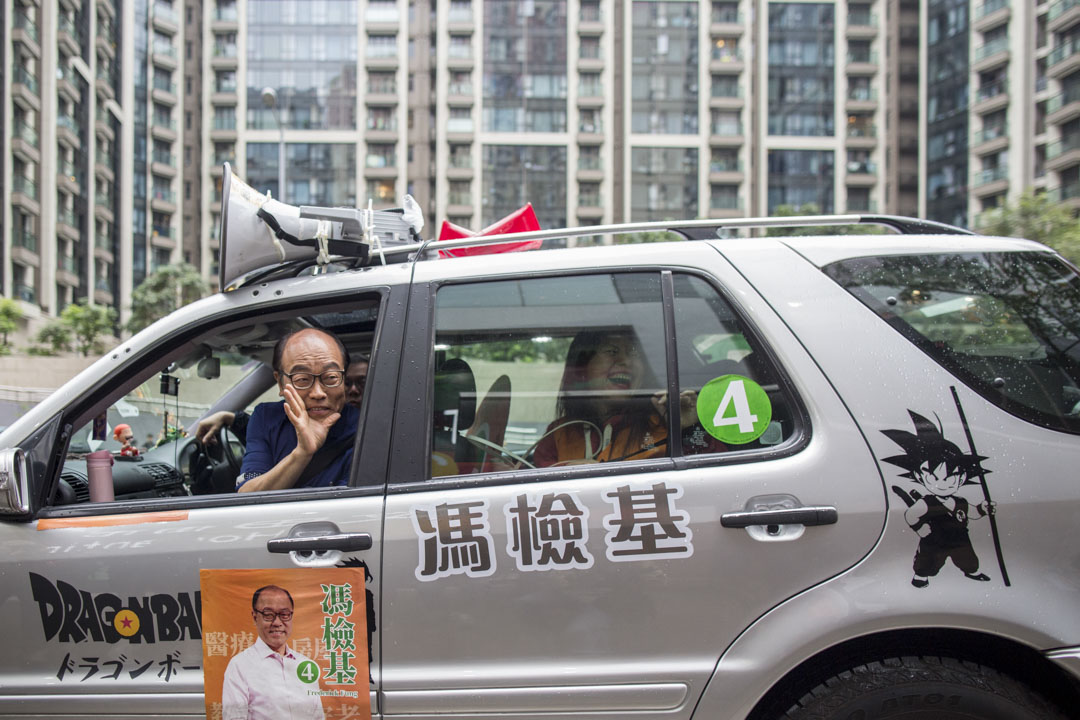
column 208, row 417
column 1007, row 324
column 712, row 345
column 548, row 372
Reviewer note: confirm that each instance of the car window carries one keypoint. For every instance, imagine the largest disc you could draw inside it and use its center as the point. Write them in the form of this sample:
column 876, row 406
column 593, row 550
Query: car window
column 1007, row 324
column 573, row 370
column 148, row 429
column 548, row 372
column 712, row 344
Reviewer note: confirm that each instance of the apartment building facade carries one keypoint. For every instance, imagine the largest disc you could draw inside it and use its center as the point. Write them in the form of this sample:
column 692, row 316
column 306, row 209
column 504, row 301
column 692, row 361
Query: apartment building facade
column 120, row 115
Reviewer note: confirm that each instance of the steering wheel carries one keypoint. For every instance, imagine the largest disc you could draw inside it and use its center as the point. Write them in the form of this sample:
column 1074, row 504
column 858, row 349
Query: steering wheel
column 486, row 446
column 214, row 466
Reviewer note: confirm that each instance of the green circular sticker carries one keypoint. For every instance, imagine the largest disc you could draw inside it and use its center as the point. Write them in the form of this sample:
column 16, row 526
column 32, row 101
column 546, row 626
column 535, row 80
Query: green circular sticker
column 308, row 672
column 734, row 409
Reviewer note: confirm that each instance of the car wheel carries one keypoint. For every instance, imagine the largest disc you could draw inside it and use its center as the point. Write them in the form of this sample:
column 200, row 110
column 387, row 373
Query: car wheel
column 922, row 688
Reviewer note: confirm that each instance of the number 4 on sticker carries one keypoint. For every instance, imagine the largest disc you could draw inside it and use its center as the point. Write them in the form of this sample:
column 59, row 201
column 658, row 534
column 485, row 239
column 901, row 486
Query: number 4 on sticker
column 734, row 409
column 735, row 395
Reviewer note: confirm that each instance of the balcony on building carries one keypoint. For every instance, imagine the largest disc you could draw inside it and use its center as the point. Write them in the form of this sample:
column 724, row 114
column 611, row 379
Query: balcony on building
column 24, row 247
column 991, row 138
column 724, row 201
column 66, row 82
column 67, row 271
column 165, row 17
column 164, row 55
column 103, row 247
column 225, row 16
column 861, row 22
column 725, row 19
column 163, row 163
column 162, row 236
column 24, row 194
column 990, row 54
column 68, row 177
column 726, row 56
column 590, row 18
column 67, row 131
column 991, row 96
column 861, row 61
column 857, row 203
column 861, row 132
column 224, row 54
column 25, row 31
column 1062, row 15
column 24, row 142
column 103, row 123
column 1067, row 194
column 68, row 37
column 990, row 181
column 164, row 90
column 861, row 173
column 725, row 129
column 1063, row 107
column 163, row 127
column 104, row 83
column 381, row 52
column 24, row 88
column 725, row 93
column 990, row 14
column 163, row 199
column 1064, row 59
column 67, row 225
column 105, row 40
column 861, row 98
column 381, row 15
column 460, row 15
column 1063, row 153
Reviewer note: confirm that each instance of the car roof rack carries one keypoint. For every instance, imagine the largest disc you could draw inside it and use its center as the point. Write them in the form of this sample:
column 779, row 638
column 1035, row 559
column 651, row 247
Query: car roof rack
column 708, row 229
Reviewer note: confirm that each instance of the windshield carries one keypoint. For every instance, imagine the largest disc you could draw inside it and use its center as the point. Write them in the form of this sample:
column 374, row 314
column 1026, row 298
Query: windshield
column 1007, row 324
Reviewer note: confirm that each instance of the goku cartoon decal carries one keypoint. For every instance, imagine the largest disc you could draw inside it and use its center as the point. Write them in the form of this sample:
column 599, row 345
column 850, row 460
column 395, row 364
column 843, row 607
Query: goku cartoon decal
column 936, row 511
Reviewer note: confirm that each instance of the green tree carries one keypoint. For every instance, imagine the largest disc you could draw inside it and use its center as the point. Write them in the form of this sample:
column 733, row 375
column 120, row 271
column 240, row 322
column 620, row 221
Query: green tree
column 162, row 292
column 1034, row 217
column 55, row 337
column 87, row 324
column 10, row 315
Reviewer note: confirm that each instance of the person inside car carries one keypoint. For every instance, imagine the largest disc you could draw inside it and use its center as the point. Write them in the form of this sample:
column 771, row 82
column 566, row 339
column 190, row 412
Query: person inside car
column 208, row 428
column 306, row 440
column 605, row 412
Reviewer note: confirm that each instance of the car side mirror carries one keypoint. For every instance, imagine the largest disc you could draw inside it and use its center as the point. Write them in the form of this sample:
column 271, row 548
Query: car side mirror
column 14, row 483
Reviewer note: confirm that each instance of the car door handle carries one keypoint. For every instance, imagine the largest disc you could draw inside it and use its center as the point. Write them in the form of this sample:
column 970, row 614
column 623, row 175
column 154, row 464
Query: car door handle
column 345, row 542
column 809, row 515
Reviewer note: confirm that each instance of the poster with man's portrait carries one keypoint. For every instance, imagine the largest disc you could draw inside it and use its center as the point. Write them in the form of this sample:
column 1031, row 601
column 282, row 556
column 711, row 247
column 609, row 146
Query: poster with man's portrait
column 285, row 643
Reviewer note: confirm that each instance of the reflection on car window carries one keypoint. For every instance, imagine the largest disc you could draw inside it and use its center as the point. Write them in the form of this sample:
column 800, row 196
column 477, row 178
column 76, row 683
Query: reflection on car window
column 549, row 371
column 1008, row 324
column 572, row 370
column 711, row 343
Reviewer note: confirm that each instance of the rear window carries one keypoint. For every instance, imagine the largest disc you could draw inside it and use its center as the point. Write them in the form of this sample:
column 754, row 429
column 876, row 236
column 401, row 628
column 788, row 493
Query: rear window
column 1007, row 324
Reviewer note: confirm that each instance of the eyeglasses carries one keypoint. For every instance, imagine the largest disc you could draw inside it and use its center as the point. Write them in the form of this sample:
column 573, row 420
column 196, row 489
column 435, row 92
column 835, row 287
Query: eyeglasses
column 304, row 380
column 357, row 382
column 269, row 615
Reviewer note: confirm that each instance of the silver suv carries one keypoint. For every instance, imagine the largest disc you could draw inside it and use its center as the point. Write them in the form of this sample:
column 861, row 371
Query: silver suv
column 825, row 476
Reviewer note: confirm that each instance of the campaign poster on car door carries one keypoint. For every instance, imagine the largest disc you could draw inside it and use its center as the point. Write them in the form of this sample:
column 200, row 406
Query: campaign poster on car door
column 285, row 643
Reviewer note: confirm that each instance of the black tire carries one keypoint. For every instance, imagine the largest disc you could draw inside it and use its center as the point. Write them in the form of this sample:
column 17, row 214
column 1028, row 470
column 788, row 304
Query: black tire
column 922, row 688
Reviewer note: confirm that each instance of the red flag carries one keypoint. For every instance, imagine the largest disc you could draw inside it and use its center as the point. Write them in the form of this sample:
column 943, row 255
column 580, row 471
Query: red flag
column 519, row 221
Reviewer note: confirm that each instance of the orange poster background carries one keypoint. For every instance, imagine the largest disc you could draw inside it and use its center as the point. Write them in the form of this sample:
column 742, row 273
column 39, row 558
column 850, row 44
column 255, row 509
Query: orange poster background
column 228, row 628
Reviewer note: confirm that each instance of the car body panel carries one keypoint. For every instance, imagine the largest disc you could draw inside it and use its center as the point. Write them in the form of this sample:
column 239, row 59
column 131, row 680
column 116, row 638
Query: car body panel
column 615, row 637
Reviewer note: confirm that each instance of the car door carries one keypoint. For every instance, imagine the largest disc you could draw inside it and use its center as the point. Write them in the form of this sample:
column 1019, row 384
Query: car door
column 599, row 588
column 74, row 572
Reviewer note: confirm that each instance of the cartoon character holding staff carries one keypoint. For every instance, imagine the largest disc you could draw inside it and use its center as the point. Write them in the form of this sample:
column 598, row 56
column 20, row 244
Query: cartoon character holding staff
column 939, row 516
